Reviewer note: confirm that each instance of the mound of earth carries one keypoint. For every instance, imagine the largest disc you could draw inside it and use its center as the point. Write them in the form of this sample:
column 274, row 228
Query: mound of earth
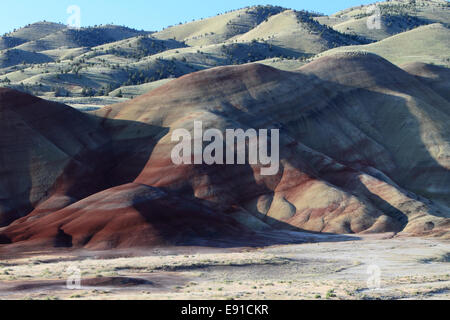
column 131, row 215
column 47, row 150
column 364, row 147
column 435, row 76
column 427, row 44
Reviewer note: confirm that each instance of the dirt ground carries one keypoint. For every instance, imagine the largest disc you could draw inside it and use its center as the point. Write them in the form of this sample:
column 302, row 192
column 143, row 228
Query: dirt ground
column 372, row 267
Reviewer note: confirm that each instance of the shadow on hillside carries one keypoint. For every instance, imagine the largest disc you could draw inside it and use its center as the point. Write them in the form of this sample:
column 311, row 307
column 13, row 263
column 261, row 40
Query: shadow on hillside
column 423, row 177
column 211, row 222
column 343, row 103
column 400, row 219
column 116, row 163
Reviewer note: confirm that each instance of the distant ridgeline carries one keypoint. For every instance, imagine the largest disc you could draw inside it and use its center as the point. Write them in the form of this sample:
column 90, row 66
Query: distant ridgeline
column 50, row 60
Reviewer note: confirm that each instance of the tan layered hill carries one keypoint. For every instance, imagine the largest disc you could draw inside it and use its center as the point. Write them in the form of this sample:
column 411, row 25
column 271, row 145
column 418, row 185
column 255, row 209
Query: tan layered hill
column 426, row 44
column 419, row 125
column 219, row 28
column 9, row 42
column 364, row 147
column 396, row 17
column 138, row 47
column 298, row 31
column 37, row 30
column 56, row 158
column 111, row 66
column 84, row 37
column 436, row 77
column 70, row 63
column 31, row 32
column 54, row 61
column 432, row 10
column 45, row 145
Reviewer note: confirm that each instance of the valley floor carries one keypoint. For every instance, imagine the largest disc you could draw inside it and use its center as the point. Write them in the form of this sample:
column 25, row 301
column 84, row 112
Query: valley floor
column 408, row 268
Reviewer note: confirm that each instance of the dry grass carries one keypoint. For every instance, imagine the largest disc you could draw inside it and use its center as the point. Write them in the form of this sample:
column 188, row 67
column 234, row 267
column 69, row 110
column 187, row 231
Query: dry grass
column 335, row 270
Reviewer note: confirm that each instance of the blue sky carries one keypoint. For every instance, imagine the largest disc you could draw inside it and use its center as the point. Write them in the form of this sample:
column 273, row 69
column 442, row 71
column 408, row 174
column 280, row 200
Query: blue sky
column 144, row 14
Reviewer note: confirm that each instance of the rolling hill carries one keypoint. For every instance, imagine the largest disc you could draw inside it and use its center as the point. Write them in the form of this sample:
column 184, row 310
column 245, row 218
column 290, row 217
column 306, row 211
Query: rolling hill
column 13, row 57
column 31, row 32
column 435, row 76
column 364, row 147
column 49, row 60
column 395, row 16
column 299, row 32
column 220, row 28
column 427, row 44
column 87, row 117
column 43, row 143
column 84, row 37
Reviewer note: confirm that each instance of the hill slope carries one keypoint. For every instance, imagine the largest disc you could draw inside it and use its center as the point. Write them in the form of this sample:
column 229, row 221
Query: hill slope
column 220, row 28
column 52, row 61
column 42, row 142
column 364, row 147
column 299, row 32
column 84, row 37
column 426, row 44
column 31, row 32
column 395, row 16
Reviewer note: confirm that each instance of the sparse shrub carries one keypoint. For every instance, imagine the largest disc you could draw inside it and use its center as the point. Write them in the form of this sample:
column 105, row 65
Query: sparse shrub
column 330, row 294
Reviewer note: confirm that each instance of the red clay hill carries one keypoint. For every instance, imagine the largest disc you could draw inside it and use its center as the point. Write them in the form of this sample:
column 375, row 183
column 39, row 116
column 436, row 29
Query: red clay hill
column 364, row 147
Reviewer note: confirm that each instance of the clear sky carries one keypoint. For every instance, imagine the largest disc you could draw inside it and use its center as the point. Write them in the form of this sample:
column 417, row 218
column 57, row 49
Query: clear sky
column 149, row 15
